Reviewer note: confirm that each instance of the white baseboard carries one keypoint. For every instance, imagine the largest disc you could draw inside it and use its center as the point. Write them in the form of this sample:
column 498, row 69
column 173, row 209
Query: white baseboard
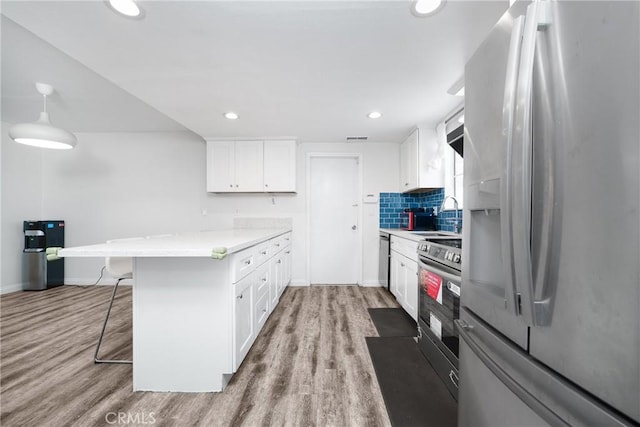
column 371, row 284
column 298, row 283
column 105, row 281
column 367, row 284
column 17, row 287
column 14, row 287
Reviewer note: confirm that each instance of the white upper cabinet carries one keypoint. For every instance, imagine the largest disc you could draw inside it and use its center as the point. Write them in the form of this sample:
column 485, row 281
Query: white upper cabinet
column 280, row 166
column 221, row 169
column 421, row 161
column 249, row 162
column 251, row 166
column 409, row 162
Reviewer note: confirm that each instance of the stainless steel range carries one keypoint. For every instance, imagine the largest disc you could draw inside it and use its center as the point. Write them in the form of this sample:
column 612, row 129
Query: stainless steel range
column 439, row 261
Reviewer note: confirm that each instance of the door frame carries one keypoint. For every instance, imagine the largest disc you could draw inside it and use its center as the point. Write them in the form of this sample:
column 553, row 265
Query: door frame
column 347, row 155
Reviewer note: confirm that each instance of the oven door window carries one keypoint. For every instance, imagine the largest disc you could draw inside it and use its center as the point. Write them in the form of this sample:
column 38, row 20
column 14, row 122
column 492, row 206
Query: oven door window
column 439, row 305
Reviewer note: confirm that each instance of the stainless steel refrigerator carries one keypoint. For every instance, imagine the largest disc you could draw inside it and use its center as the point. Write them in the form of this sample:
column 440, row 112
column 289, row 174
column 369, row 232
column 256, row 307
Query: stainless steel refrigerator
column 550, row 318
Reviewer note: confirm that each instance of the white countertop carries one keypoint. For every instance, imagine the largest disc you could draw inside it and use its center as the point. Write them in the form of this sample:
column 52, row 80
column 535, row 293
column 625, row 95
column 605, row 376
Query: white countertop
column 403, row 233
column 192, row 244
column 416, row 236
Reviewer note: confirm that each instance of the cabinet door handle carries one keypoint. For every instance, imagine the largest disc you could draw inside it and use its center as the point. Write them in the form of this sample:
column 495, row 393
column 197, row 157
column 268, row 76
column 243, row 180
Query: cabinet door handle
column 263, row 252
column 264, row 279
column 287, row 252
column 231, row 185
column 248, row 262
column 279, row 261
column 239, row 296
column 266, row 185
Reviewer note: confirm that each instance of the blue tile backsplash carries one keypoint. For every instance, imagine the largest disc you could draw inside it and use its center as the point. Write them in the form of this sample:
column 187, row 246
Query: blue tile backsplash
column 392, row 205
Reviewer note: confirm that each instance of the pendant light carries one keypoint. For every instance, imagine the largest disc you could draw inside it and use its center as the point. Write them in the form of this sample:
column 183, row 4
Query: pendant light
column 41, row 133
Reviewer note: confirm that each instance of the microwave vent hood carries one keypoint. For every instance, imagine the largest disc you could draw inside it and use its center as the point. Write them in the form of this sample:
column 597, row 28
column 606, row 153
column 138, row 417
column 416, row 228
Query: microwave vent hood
column 455, row 139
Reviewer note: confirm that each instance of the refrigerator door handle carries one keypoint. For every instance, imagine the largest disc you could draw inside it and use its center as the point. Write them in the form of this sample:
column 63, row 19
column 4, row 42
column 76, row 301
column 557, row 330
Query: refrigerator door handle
column 465, row 331
column 522, row 152
column 506, row 181
column 542, row 304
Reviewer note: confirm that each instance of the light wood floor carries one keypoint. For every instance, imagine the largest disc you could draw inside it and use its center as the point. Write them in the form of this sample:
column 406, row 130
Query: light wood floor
column 309, row 365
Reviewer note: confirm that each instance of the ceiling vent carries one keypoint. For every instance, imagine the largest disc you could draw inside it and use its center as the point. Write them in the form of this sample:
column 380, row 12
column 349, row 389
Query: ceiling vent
column 357, row 138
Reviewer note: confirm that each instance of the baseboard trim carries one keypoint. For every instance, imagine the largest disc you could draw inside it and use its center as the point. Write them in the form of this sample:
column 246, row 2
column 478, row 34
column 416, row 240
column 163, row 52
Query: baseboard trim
column 17, row 287
column 299, row 283
column 371, row 284
column 105, row 281
column 14, row 287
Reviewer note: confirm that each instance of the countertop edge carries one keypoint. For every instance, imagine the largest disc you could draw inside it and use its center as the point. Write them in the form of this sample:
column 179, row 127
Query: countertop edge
column 405, row 234
column 101, row 249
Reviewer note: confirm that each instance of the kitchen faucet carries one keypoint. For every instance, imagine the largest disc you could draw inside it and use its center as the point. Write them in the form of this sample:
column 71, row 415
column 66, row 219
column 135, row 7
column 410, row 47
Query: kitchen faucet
column 456, row 222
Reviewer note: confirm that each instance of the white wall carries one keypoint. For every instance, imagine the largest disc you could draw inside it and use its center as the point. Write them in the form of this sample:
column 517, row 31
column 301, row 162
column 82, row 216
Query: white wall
column 21, row 200
column 116, row 185
column 380, row 163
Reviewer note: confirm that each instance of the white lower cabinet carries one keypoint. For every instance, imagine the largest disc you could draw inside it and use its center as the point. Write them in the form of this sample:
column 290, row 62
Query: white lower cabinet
column 286, row 269
column 411, row 294
column 244, row 323
column 264, row 271
column 403, row 275
column 278, row 278
column 398, row 284
column 261, row 306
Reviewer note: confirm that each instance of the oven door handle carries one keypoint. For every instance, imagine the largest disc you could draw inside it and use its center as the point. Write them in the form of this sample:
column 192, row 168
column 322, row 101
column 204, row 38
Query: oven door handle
column 444, row 274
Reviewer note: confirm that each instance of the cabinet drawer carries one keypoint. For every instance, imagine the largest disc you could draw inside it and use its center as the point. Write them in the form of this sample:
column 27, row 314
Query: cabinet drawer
column 277, row 245
column 405, row 247
column 263, row 253
column 280, row 242
column 243, row 263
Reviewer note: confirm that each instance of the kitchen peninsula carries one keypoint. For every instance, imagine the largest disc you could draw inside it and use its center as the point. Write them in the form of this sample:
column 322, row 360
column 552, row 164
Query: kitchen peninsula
column 199, row 301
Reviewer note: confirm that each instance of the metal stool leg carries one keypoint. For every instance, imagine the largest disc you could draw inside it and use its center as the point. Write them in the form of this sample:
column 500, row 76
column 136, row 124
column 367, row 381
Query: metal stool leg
column 104, row 327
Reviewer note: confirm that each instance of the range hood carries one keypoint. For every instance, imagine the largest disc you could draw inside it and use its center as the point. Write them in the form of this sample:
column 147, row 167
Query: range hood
column 455, row 139
column 454, row 128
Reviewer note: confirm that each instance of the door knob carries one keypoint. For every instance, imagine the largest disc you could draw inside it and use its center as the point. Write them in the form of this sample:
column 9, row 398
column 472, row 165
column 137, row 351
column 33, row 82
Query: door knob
column 354, row 227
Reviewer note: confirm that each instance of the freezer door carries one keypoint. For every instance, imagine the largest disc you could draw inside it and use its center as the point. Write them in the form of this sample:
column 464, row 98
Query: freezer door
column 500, row 385
column 586, row 210
column 490, row 89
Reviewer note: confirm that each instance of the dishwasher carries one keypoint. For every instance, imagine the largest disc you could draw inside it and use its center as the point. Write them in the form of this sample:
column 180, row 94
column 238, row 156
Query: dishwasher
column 383, row 263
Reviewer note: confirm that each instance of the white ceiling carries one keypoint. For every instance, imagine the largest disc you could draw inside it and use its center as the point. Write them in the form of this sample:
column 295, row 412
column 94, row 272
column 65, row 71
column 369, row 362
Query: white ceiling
column 306, row 69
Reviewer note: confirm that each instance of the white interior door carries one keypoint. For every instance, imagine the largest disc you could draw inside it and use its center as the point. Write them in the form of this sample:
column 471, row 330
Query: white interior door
column 334, row 192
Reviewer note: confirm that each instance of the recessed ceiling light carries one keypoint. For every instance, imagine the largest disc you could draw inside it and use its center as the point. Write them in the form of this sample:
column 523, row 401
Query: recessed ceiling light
column 231, row 115
column 374, row 115
column 126, row 7
column 426, row 7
